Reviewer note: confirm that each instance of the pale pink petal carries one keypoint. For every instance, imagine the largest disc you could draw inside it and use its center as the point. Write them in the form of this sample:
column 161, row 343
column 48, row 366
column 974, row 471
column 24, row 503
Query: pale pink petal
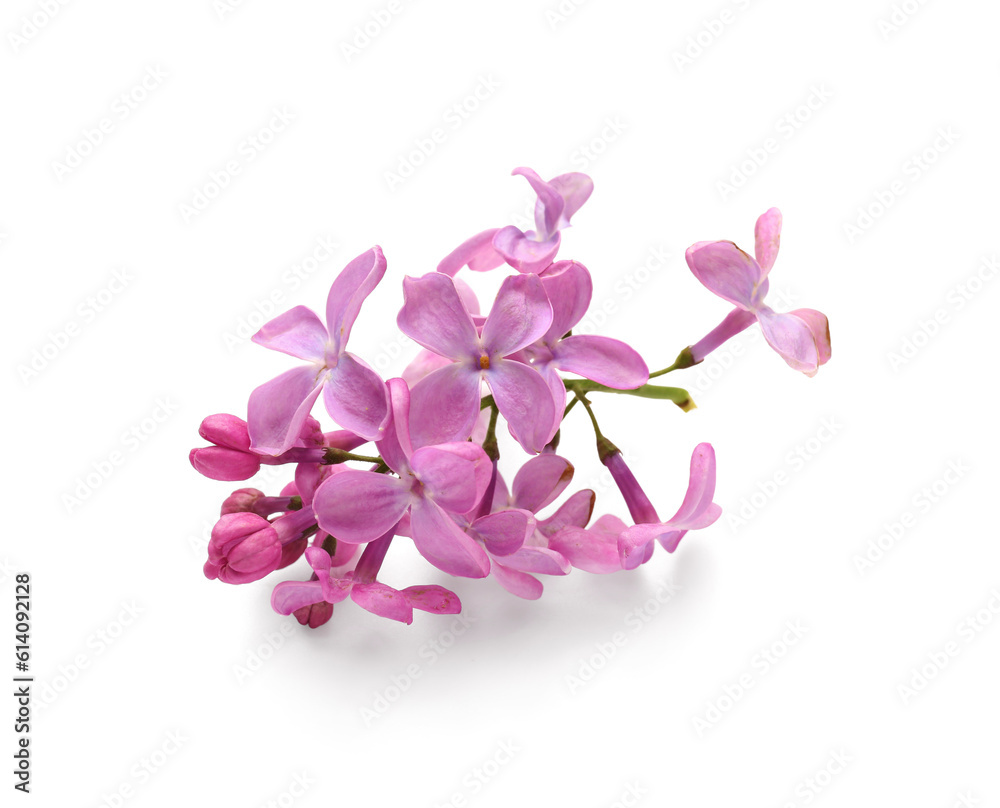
column 423, row 364
column 444, row 406
column 543, row 560
column 602, row 359
column 433, row 598
column 557, row 389
column 792, row 338
column 278, row 408
column 592, row 550
column 569, row 288
column 575, row 189
column 727, row 271
column 468, row 296
column 477, row 252
column 525, row 401
column 435, row 316
column 504, row 532
column 454, row 475
column 694, row 510
column 444, row 543
column 574, row 512
column 298, row 332
column 524, row 253
column 517, row 583
column 357, row 398
column 395, row 447
column 289, row 596
column 767, row 237
column 349, row 290
column 539, row 481
column 521, row 314
column 820, row 328
column 384, row 601
column 360, row 506
column 549, row 207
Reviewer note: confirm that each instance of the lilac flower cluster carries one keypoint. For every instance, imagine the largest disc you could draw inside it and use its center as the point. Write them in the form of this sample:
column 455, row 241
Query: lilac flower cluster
column 432, row 475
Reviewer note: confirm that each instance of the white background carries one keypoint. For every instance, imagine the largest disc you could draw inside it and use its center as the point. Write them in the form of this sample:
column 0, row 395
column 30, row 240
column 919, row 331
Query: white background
column 157, row 687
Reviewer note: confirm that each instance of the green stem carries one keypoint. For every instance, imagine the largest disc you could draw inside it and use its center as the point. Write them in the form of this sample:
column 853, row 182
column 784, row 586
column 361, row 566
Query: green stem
column 333, row 456
column 490, row 445
column 684, row 360
column 677, row 395
column 604, row 446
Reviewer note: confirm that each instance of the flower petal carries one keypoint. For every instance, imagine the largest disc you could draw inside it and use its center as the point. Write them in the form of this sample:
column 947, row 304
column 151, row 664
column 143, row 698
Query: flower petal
column 298, row 332
column 767, row 237
column 792, row 337
column 278, row 408
column 289, row 596
column 521, row 314
column 593, row 550
column 524, row 253
column 539, row 481
column 575, row 189
column 569, row 288
column 820, row 328
column 444, row 543
column 524, row 399
column 732, row 324
column 435, row 316
column 477, row 253
column 444, row 406
column 395, row 447
column 542, row 560
column 504, row 532
column 357, row 398
column 455, row 475
column 360, row 506
column 517, row 583
column 433, row 598
column 384, row 601
column 350, row 288
column 574, row 512
column 723, row 268
column 602, row 359
column 549, row 207
column 220, row 463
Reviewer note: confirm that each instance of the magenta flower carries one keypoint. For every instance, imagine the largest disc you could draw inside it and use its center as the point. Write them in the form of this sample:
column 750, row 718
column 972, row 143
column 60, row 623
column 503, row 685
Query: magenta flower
column 433, row 482
column 360, row 585
column 558, row 200
column 801, row 337
column 354, row 394
column 446, row 402
column 607, row 361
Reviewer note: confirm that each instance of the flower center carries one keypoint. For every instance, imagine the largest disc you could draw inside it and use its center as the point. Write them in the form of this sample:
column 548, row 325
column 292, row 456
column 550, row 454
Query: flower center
column 484, row 362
